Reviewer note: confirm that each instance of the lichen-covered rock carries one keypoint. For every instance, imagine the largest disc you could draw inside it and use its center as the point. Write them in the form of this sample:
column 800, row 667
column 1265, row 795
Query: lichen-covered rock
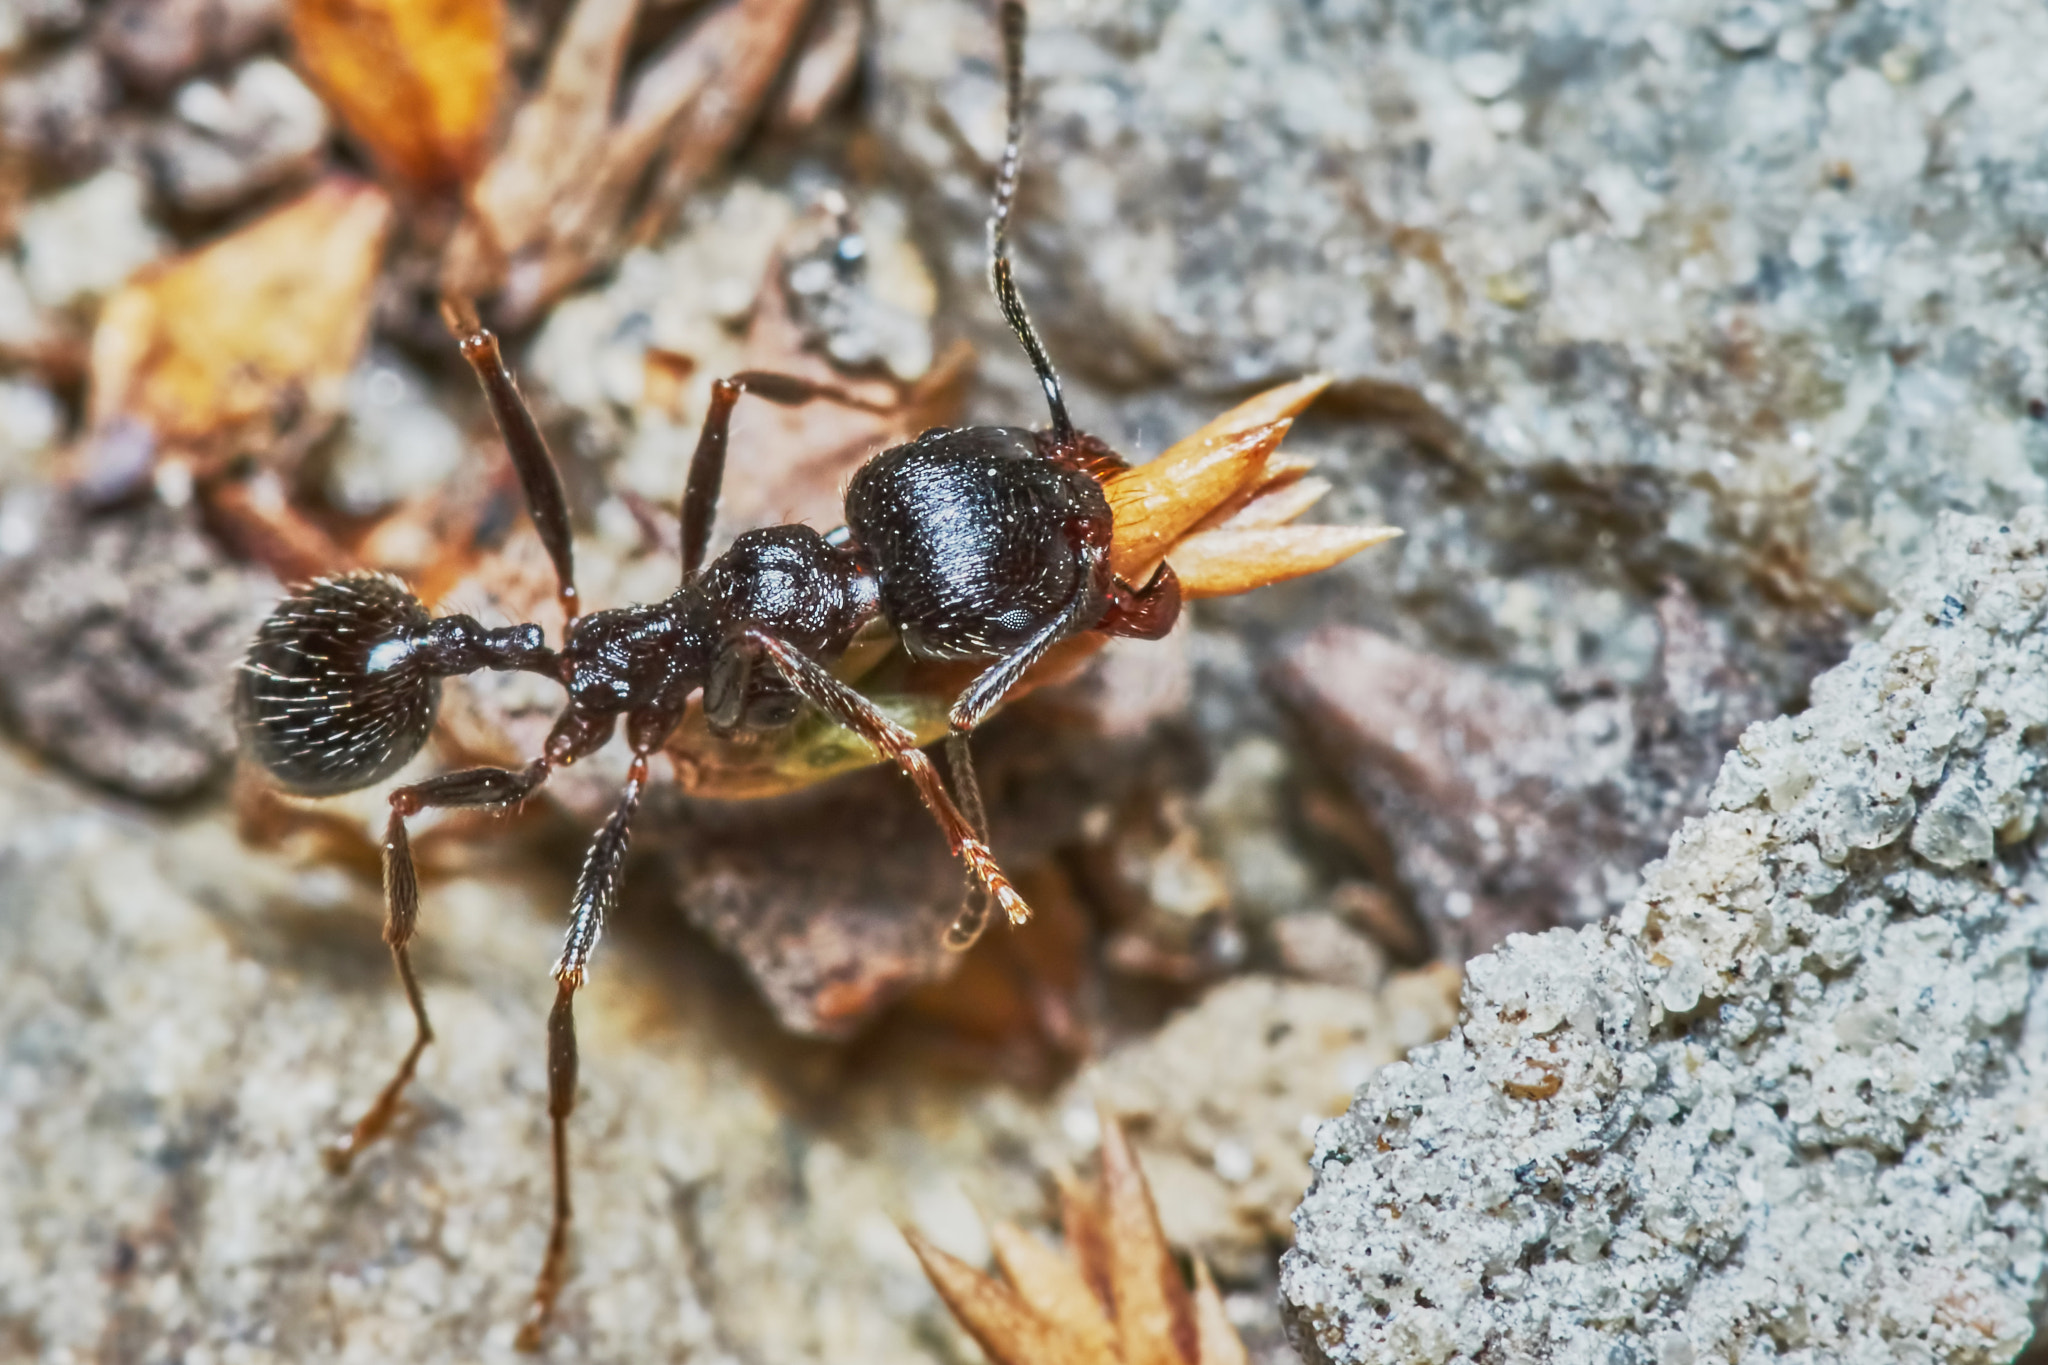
column 1790, row 1104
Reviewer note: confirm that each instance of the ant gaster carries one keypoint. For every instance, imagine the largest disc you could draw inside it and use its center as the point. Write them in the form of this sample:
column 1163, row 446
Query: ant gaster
column 977, row 543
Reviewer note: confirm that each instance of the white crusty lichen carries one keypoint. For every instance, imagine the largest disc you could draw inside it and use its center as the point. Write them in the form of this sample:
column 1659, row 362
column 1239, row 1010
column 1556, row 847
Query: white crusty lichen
column 1792, row 1104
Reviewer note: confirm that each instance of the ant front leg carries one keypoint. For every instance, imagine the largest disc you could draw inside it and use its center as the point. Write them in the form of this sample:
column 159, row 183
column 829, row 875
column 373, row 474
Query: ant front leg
column 707, row 464
column 815, row 684
column 473, row 788
column 538, row 476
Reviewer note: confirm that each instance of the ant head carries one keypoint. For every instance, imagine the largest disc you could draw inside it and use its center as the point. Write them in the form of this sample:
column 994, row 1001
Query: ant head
column 336, row 693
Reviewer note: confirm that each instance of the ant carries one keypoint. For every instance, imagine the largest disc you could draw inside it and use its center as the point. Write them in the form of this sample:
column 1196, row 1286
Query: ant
column 974, row 543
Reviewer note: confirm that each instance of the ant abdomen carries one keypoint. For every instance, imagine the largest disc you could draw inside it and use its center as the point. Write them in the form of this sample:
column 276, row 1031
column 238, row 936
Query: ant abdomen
column 335, row 693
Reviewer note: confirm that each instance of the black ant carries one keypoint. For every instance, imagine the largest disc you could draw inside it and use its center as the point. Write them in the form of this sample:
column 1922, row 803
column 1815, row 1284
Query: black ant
column 977, row 543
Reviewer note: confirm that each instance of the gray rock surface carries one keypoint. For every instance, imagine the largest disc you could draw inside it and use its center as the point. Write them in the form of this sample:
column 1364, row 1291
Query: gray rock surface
column 1741, row 294
column 184, row 1021
column 1789, row 1105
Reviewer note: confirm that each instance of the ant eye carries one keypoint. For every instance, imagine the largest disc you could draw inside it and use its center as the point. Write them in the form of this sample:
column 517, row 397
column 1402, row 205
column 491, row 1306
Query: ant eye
column 333, row 695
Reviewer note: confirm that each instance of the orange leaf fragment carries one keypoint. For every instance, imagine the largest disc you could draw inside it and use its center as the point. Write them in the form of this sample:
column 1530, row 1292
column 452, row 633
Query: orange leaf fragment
column 1279, row 402
column 1235, row 559
column 1155, row 504
column 275, row 313
column 415, row 80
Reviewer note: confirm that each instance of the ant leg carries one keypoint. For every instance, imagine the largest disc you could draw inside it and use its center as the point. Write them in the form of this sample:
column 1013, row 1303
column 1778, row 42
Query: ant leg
column 1007, row 297
column 973, row 917
column 995, row 682
column 538, row 476
column 707, row 463
column 816, row 685
column 597, row 895
column 475, row 787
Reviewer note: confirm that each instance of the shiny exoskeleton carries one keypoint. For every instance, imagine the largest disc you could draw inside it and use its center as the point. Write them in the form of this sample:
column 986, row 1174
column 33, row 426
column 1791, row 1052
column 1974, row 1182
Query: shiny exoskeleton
column 983, row 543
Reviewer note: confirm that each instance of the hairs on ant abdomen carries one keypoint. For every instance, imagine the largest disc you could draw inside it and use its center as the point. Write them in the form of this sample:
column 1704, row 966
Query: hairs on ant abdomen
column 978, row 543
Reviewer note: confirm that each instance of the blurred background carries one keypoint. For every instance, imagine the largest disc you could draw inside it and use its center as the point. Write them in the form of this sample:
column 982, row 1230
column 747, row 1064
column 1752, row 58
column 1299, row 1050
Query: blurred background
column 1664, row 331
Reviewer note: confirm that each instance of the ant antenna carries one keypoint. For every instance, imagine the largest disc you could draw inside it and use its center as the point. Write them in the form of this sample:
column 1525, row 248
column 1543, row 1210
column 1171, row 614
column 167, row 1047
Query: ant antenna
column 1007, row 298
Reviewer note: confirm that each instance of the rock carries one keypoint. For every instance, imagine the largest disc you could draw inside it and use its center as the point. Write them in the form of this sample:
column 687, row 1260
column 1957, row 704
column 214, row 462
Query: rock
column 1505, row 811
column 83, row 242
column 31, row 420
column 190, row 1020
column 1790, row 1100
column 398, row 442
column 155, row 44
column 120, row 630
column 230, row 141
column 58, row 111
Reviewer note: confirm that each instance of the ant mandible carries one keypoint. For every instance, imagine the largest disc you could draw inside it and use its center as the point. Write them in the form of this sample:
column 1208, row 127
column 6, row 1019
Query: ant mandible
column 976, row 543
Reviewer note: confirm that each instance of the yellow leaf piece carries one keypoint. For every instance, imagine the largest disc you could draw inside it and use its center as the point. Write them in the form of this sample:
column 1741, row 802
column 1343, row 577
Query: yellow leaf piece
column 415, row 80
column 1235, row 559
column 274, row 313
column 1120, row 1300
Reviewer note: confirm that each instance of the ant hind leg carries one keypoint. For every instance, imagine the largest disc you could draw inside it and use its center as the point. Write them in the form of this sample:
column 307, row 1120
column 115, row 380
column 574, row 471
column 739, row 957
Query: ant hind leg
column 473, row 788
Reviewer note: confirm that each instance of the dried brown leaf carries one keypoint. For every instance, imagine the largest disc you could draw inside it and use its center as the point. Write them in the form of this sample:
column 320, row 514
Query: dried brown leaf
column 1120, row 1300
column 270, row 316
column 1054, row 1289
column 1085, row 1227
column 823, row 69
column 1155, row 1319
column 1217, row 1341
column 994, row 1315
column 415, row 80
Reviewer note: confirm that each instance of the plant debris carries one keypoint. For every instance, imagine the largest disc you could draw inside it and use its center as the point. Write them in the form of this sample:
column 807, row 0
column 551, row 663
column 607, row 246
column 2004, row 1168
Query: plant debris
column 1116, row 1297
column 416, row 81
